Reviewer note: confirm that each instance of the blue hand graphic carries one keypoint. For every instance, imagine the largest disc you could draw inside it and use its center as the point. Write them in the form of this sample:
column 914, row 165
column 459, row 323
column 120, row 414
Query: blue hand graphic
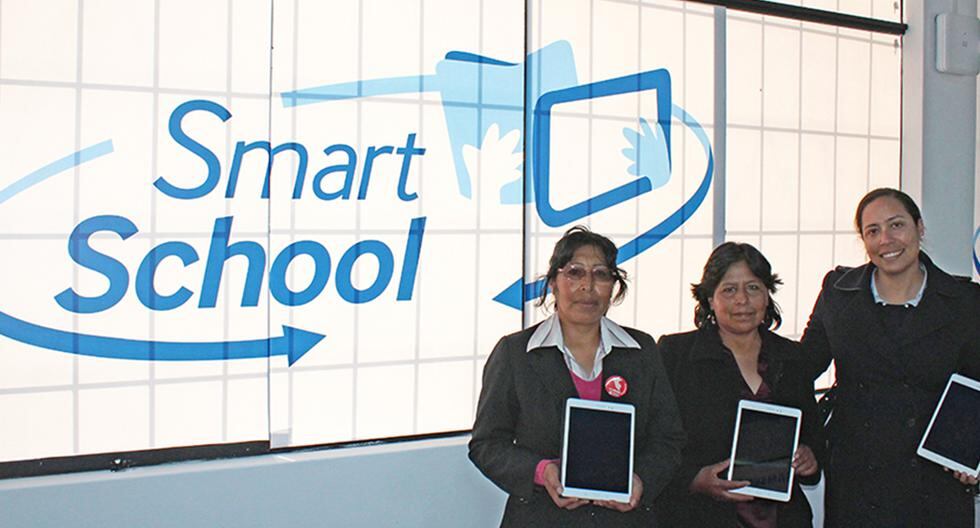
column 648, row 152
column 477, row 92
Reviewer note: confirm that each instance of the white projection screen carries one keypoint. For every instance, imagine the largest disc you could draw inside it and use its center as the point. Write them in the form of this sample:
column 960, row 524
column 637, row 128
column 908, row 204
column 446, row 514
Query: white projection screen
column 305, row 223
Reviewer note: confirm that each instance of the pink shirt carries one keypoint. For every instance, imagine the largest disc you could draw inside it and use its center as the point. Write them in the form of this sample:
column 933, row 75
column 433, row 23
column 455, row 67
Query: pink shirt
column 587, row 390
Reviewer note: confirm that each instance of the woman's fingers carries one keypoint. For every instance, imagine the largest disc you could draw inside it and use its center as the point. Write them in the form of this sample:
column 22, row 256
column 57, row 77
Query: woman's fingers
column 625, row 506
column 707, row 482
column 805, row 462
column 568, row 503
column 552, row 484
column 618, row 506
column 613, row 505
column 965, row 478
column 736, row 497
column 555, row 496
column 720, row 466
column 732, row 484
column 723, row 487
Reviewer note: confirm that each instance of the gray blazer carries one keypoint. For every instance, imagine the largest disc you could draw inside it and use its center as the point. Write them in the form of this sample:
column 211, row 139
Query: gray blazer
column 519, row 423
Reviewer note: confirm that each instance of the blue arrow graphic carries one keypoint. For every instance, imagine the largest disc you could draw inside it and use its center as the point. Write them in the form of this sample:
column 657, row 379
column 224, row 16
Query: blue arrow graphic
column 512, row 295
column 294, row 343
column 976, row 260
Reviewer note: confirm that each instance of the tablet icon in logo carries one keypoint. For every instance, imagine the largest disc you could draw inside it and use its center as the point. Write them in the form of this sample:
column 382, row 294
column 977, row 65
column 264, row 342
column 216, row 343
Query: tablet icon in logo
column 653, row 160
column 480, row 92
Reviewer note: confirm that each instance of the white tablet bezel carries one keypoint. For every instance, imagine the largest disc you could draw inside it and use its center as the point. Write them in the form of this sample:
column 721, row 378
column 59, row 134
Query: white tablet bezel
column 770, row 408
column 594, row 494
column 923, row 452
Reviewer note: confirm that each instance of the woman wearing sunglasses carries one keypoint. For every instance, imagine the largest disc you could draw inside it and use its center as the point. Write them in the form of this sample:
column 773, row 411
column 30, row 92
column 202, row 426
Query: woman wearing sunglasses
column 576, row 353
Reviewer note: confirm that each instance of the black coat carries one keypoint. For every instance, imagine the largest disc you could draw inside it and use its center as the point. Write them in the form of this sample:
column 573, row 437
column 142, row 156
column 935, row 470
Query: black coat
column 708, row 386
column 888, row 387
column 519, row 423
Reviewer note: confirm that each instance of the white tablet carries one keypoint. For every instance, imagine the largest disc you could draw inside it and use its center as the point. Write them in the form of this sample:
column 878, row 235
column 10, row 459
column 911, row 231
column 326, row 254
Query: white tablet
column 597, row 451
column 766, row 437
column 953, row 436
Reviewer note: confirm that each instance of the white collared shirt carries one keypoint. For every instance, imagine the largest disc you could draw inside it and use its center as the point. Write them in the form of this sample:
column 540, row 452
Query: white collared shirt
column 913, row 302
column 610, row 335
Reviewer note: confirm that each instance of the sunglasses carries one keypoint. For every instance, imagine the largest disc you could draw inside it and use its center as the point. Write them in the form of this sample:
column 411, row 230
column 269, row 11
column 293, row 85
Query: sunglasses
column 578, row 273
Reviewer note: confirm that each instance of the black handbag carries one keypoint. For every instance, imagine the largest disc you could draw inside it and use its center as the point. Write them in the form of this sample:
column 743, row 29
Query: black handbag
column 825, row 410
column 825, row 405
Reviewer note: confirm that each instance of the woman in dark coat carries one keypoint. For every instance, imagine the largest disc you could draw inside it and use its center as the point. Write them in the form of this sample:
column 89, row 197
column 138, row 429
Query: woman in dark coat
column 575, row 353
column 733, row 356
column 896, row 328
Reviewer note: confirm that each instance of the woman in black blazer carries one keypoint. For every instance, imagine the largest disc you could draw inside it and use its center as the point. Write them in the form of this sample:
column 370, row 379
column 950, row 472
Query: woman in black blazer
column 896, row 328
column 730, row 357
column 576, row 353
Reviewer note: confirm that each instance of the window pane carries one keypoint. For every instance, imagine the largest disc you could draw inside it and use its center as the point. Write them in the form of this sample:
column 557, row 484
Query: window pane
column 374, row 185
column 828, row 132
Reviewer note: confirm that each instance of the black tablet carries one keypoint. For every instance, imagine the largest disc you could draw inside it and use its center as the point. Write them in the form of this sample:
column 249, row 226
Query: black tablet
column 766, row 437
column 597, row 451
column 953, row 436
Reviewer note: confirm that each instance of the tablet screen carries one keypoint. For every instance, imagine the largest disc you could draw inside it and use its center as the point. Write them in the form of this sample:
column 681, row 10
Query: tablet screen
column 955, row 431
column 764, row 450
column 598, row 450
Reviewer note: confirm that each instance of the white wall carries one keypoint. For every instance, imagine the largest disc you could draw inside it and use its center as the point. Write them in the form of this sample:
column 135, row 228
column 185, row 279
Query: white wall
column 938, row 137
column 425, row 484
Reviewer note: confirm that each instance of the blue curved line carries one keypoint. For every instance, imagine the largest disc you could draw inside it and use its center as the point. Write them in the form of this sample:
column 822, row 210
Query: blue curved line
column 976, row 260
column 61, row 165
column 382, row 86
column 465, row 56
column 658, row 80
column 362, row 88
column 294, row 343
column 515, row 298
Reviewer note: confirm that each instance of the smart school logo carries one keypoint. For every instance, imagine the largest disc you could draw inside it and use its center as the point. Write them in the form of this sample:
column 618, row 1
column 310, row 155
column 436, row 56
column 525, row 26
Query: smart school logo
column 466, row 83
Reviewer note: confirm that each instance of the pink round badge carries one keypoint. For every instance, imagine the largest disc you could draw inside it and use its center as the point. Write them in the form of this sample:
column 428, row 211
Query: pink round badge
column 616, row 386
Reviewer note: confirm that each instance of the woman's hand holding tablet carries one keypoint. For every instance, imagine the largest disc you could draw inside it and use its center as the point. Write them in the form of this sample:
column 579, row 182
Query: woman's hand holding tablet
column 763, row 448
column 709, row 482
column 964, row 478
column 552, row 484
column 952, row 438
column 805, row 462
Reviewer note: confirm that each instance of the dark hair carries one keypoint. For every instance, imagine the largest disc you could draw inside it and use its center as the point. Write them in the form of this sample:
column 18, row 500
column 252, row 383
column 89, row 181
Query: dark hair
column 566, row 247
column 722, row 258
column 907, row 202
